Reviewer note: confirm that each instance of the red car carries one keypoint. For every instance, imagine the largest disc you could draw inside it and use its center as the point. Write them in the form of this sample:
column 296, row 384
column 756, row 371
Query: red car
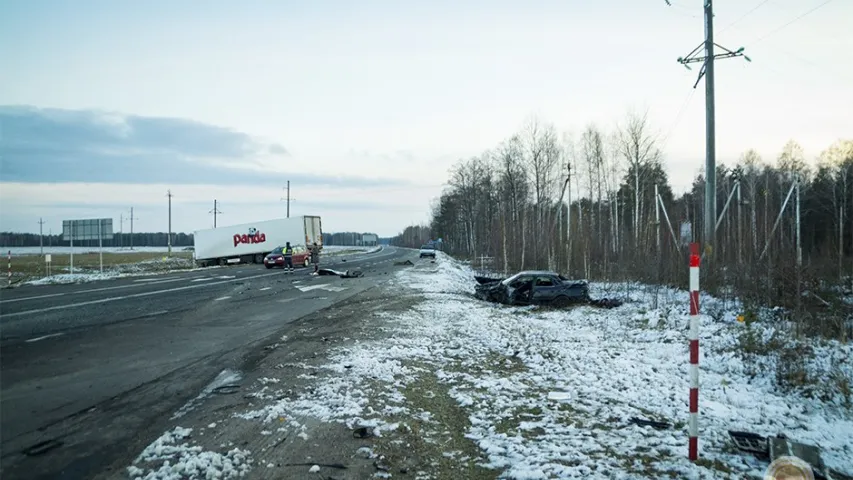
column 301, row 256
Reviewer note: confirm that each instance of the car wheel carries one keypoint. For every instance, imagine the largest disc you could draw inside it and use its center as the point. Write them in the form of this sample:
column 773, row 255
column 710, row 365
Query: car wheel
column 305, row 262
column 562, row 301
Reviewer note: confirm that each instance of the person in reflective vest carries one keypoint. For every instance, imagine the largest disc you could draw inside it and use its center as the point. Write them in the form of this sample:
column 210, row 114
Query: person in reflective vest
column 288, row 257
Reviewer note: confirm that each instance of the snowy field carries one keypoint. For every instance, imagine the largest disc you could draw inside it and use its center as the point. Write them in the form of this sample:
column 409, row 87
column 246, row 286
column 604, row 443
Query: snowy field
column 549, row 394
column 53, row 250
column 145, row 267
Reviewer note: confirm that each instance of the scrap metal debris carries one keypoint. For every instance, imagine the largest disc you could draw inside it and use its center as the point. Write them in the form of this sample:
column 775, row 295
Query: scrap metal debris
column 344, row 274
column 773, row 448
column 649, row 423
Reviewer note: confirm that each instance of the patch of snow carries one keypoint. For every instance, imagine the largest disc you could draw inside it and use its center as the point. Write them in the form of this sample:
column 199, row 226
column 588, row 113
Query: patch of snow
column 314, row 469
column 549, row 393
column 171, row 457
column 74, row 278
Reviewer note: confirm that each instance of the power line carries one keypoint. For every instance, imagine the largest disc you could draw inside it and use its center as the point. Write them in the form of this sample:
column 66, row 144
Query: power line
column 743, row 16
column 797, row 18
column 678, row 116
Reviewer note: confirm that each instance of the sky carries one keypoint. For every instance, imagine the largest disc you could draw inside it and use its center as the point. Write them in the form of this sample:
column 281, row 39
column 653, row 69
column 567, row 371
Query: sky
column 365, row 106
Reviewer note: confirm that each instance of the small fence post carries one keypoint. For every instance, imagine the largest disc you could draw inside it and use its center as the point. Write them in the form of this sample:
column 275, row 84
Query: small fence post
column 9, row 258
column 693, row 428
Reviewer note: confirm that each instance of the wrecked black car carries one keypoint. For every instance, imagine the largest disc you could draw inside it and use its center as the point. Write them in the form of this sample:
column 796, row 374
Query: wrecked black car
column 534, row 288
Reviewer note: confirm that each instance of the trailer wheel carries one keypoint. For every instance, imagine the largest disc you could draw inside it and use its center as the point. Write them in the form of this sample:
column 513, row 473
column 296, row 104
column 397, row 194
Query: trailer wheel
column 223, row 262
column 259, row 258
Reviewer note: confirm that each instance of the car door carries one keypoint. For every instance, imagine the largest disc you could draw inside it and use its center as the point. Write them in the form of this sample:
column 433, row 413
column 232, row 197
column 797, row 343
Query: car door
column 298, row 255
column 519, row 290
column 544, row 289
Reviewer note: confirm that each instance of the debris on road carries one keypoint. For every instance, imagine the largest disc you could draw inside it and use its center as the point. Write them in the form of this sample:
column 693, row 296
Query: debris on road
column 404, row 263
column 344, row 274
column 772, row 449
column 649, row 423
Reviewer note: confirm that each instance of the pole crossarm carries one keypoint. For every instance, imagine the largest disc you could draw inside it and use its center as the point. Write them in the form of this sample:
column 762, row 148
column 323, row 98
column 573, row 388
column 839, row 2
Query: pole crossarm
column 695, row 56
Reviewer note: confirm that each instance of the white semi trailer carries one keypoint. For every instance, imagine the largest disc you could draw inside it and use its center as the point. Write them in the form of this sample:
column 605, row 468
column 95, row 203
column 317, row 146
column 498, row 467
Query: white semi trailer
column 251, row 242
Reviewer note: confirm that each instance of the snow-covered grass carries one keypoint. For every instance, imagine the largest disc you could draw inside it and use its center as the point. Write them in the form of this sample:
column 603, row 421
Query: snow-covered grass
column 78, row 250
column 549, row 394
column 111, row 272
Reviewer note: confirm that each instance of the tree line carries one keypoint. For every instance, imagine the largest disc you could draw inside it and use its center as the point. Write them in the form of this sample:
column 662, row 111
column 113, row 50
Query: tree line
column 599, row 205
column 137, row 239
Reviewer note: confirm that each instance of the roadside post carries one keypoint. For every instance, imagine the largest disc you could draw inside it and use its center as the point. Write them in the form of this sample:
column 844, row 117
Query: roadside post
column 9, row 258
column 100, row 247
column 71, row 237
column 693, row 428
column 47, row 259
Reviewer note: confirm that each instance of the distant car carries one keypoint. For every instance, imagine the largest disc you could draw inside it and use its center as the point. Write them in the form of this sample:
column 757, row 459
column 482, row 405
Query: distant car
column 301, row 256
column 427, row 251
column 534, row 288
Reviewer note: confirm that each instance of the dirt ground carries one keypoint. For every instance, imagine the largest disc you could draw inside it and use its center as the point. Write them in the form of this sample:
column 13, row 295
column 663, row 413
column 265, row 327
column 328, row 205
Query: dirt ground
column 289, row 447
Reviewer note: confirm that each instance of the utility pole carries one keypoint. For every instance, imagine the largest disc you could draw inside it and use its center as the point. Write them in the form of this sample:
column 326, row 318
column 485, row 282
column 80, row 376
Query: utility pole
column 707, row 71
column 215, row 212
column 132, row 218
column 288, row 199
column 121, row 230
column 41, row 237
column 169, row 194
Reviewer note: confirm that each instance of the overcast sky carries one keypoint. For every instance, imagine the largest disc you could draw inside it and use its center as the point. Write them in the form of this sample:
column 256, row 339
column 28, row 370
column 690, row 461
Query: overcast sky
column 365, row 105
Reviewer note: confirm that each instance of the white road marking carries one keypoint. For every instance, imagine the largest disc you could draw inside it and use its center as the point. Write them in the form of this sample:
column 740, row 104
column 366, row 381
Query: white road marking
column 203, row 279
column 226, row 297
column 226, row 276
column 265, row 288
column 133, row 295
column 147, row 280
column 324, row 286
column 154, row 314
column 43, row 337
column 34, row 298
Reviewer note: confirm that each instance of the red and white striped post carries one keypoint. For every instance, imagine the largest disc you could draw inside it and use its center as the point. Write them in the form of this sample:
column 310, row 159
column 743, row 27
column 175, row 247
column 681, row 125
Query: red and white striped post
column 693, row 426
column 9, row 258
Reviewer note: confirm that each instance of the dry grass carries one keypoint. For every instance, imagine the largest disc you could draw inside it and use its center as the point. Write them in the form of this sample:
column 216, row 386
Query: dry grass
column 34, row 266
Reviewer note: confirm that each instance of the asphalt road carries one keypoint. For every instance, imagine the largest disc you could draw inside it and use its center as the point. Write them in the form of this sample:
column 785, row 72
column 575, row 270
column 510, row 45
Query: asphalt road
column 90, row 373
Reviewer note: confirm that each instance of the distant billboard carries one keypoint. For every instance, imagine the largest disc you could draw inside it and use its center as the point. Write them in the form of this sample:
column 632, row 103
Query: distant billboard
column 87, row 229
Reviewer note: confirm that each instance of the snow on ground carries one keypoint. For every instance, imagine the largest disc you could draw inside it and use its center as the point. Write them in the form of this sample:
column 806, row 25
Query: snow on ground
column 145, row 267
column 549, row 394
column 179, row 459
column 78, row 250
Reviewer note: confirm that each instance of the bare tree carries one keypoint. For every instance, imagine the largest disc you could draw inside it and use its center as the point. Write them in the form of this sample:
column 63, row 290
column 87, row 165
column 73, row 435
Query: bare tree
column 638, row 148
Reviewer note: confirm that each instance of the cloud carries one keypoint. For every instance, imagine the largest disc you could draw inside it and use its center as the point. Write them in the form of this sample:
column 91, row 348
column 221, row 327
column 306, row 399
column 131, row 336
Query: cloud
column 61, row 146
